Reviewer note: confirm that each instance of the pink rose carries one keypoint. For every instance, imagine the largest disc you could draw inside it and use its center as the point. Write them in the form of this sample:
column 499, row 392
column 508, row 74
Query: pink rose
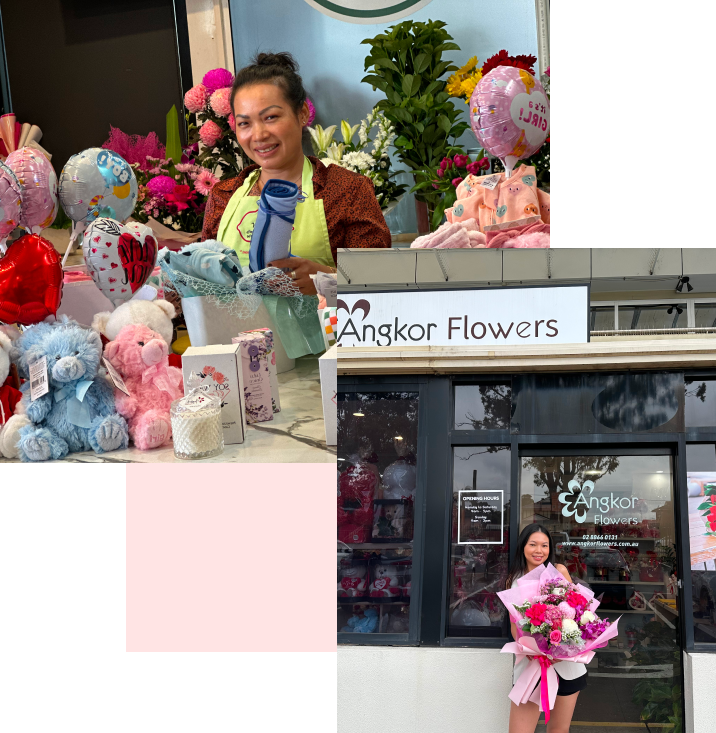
column 461, row 160
column 456, row 182
column 555, row 636
column 210, row 133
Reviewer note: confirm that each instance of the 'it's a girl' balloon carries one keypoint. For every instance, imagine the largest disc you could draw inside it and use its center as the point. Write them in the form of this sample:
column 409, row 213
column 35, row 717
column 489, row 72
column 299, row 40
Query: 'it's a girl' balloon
column 10, row 203
column 509, row 114
column 38, row 183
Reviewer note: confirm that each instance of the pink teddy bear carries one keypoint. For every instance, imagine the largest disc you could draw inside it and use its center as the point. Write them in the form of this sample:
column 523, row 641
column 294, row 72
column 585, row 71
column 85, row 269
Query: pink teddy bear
column 140, row 355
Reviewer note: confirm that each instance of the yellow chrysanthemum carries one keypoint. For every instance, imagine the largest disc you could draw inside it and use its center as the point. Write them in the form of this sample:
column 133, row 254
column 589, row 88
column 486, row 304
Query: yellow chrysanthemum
column 454, row 86
column 469, row 66
column 468, row 85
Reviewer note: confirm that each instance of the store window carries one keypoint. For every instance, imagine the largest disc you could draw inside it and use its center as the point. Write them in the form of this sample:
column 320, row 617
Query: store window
column 377, row 476
column 612, row 522
column 671, row 315
column 483, row 406
column 700, row 403
column 701, row 481
column 705, row 315
column 480, row 547
column 601, row 318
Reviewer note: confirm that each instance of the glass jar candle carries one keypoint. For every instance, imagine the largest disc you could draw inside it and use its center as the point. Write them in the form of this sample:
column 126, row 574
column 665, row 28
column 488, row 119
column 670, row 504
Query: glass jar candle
column 196, row 426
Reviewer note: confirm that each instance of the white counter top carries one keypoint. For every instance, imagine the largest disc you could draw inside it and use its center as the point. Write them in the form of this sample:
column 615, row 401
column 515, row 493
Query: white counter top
column 295, row 435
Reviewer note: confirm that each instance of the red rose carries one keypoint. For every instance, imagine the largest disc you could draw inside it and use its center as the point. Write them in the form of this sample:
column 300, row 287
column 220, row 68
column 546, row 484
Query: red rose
column 535, row 613
column 575, row 599
column 713, row 525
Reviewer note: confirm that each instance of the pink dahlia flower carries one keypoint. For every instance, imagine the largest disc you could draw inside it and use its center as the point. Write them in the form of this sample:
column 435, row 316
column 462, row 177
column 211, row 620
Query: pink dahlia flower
column 232, row 122
column 210, row 133
column 217, row 78
column 220, row 101
column 205, row 181
column 161, row 185
column 195, row 98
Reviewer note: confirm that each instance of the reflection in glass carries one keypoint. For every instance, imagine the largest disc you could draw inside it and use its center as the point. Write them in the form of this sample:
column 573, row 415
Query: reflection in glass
column 601, row 318
column 700, row 403
column 705, row 315
column 480, row 541
column 377, row 476
column 633, row 317
column 612, row 523
column 482, row 407
column 701, row 473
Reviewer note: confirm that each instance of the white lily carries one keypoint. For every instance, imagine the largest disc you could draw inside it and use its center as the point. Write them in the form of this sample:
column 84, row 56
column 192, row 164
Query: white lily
column 335, row 152
column 347, row 131
column 321, row 138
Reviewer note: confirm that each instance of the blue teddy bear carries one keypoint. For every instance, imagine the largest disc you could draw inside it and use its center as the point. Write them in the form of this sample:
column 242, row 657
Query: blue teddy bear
column 77, row 414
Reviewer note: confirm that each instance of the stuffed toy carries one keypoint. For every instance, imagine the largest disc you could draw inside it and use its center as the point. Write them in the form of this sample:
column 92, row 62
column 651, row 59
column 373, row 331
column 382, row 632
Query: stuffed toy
column 154, row 314
column 354, row 580
column 356, row 488
column 365, row 624
column 77, row 414
column 140, row 355
column 385, row 582
column 12, row 416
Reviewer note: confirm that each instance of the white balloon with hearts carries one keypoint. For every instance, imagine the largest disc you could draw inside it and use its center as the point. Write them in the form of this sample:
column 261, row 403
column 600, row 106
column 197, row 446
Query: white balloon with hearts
column 119, row 257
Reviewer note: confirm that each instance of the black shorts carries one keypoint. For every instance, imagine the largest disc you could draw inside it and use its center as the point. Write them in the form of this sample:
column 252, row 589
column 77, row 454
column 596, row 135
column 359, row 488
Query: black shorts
column 569, row 687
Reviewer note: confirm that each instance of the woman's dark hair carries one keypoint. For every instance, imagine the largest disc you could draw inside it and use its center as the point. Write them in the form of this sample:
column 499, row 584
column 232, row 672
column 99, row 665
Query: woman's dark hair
column 519, row 564
column 274, row 68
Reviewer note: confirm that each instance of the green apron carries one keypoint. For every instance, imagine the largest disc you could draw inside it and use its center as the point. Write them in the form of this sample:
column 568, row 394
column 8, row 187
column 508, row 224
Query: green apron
column 299, row 334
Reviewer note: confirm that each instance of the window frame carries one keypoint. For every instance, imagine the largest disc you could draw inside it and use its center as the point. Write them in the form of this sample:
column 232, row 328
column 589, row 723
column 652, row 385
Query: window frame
column 690, row 307
column 433, row 515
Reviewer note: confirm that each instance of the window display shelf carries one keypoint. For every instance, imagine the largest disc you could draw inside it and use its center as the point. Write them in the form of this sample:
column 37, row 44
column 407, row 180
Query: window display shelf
column 603, row 611
column 379, row 545
column 371, row 602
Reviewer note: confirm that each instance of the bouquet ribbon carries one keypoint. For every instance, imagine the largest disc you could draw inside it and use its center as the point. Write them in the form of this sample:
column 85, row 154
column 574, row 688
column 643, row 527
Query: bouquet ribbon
column 539, row 670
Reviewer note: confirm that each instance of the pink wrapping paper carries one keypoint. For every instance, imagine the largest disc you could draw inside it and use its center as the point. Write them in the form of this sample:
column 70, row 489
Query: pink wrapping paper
column 540, row 668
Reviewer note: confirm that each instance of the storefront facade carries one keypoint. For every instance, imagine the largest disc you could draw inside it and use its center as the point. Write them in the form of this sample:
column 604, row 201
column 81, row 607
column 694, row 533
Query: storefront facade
column 446, row 452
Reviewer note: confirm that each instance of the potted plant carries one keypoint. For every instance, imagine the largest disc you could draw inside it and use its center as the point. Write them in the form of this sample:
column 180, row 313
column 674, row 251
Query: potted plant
column 406, row 64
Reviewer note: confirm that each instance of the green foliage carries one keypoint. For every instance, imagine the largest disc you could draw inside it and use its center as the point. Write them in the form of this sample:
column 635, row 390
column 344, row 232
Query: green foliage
column 173, row 139
column 406, row 63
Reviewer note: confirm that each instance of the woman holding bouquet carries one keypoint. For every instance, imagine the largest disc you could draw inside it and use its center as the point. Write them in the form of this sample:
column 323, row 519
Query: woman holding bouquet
column 534, row 548
column 339, row 209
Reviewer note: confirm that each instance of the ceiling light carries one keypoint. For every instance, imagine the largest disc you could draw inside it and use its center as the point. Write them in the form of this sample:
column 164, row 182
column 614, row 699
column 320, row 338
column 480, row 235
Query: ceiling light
column 679, row 310
column 358, row 414
column 660, row 472
column 684, row 281
column 398, row 437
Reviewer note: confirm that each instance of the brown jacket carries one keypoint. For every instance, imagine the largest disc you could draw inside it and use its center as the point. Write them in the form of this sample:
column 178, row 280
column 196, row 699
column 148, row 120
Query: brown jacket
column 353, row 214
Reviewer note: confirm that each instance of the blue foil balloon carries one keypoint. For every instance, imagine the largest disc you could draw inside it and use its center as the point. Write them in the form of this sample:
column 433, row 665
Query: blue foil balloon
column 95, row 183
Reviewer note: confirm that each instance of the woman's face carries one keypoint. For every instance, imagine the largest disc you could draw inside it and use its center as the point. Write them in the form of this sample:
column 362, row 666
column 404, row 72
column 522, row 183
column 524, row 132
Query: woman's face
column 536, row 549
column 267, row 128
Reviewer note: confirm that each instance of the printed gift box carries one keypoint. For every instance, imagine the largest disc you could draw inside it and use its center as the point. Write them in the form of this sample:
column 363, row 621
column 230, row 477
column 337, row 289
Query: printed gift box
column 257, row 378
column 219, row 366
column 273, row 370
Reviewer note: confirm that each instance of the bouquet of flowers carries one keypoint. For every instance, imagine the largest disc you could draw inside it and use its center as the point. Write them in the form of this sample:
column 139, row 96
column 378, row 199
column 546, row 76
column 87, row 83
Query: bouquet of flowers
column 708, row 509
column 355, row 156
column 558, row 623
column 211, row 122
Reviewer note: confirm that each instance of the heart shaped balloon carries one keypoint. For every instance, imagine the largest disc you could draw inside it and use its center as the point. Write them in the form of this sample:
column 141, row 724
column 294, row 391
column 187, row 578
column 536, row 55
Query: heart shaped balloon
column 30, row 281
column 119, row 257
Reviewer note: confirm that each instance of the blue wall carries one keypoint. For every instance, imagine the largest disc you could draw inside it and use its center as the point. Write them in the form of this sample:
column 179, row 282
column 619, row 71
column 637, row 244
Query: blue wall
column 331, row 56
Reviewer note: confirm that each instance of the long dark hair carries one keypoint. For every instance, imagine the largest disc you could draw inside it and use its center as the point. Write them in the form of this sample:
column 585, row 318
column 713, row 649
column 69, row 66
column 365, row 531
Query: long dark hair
column 519, row 563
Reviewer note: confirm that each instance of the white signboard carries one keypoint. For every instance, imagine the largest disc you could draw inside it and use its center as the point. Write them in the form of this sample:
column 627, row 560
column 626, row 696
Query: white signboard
column 367, row 11
column 490, row 317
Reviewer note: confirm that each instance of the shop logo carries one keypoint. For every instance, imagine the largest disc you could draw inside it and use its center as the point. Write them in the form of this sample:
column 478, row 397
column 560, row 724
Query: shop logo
column 360, row 305
column 367, row 11
column 573, row 502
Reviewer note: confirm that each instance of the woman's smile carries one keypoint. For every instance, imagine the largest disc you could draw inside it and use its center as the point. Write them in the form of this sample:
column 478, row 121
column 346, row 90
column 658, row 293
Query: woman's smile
column 264, row 150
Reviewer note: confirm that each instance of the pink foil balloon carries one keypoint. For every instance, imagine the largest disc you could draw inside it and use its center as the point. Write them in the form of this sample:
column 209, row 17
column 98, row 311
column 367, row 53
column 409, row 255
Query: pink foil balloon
column 10, row 202
column 39, row 188
column 509, row 114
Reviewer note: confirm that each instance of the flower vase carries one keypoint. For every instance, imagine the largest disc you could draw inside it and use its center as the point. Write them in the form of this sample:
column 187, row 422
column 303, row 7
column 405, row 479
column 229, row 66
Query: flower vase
column 424, row 213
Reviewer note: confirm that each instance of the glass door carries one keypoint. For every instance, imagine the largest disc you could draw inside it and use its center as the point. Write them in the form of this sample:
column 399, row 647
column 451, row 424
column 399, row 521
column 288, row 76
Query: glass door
column 612, row 523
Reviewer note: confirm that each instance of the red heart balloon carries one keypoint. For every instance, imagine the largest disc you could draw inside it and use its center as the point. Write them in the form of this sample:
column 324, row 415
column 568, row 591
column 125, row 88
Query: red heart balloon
column 30, row 281
column 137, row 258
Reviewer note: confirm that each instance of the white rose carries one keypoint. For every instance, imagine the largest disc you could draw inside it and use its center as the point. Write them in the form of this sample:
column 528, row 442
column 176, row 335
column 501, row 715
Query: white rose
column 587, row 618
column 569, row 626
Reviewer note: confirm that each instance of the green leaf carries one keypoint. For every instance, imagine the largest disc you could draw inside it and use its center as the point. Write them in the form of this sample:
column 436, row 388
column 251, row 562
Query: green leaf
column 377, row 82
column 400, row 141
column 402, row 114
column 447, row 47
column 408, row 85
column 706, row 505
column 422, row 61
column 444, row 123
column 173, row 146
column 393, row 96
column 434, row 86
column 385, row 61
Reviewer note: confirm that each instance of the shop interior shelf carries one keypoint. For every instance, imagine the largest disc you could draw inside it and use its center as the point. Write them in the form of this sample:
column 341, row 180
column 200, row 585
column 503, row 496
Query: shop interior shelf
column 379, row 545
column 371, row 602
column 604, row 611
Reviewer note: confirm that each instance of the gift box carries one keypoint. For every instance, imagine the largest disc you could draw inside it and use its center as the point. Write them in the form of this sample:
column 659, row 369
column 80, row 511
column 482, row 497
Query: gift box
column 273, row 369
column 328, row 369
column 219, row 367
column 329, row 325
column 257, row 379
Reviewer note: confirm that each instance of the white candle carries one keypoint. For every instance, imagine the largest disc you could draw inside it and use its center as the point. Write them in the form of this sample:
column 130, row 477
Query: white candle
column 197, row 433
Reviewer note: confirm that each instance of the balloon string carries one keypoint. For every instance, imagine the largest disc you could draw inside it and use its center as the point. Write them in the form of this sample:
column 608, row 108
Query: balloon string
column 77, row 228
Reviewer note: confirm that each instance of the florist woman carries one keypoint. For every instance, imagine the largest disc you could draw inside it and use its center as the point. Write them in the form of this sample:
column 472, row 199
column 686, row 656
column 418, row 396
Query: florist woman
column 340, row 209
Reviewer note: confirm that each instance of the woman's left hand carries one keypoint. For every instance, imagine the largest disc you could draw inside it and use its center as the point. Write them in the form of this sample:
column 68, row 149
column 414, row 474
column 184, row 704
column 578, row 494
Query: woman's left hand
column 300, row 271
